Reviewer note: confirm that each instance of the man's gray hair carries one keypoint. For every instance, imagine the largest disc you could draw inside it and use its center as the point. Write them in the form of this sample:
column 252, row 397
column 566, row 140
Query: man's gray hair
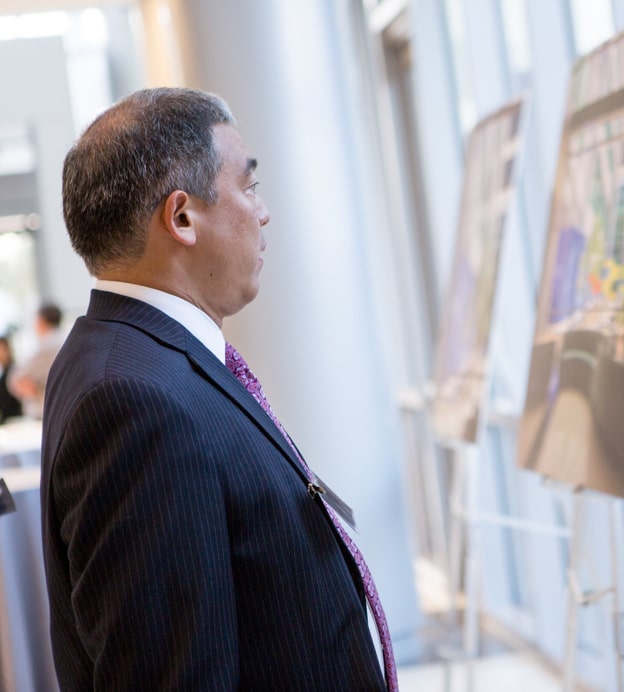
column 130, row 159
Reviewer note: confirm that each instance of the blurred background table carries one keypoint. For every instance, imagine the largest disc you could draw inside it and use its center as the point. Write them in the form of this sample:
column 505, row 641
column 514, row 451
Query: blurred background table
column 25, row 653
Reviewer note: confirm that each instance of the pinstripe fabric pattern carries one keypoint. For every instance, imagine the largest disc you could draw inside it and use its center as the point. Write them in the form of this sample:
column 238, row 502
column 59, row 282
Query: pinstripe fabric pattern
column 182, row 549
column 237, row 365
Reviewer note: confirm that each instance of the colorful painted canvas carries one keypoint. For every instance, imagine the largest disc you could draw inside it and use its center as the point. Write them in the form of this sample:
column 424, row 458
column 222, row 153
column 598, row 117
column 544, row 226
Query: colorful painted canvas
column 463, row 343
column 571, row 429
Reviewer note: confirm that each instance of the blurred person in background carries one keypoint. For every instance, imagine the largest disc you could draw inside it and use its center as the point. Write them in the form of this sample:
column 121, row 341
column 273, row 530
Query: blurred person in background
column 27, row 380
column 10, row 406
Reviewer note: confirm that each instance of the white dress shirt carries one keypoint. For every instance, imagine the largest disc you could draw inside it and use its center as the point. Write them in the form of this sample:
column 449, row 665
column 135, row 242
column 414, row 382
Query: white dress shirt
column 197, row 322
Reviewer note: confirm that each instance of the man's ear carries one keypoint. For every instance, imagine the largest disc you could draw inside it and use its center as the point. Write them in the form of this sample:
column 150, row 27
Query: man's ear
column 178, row 218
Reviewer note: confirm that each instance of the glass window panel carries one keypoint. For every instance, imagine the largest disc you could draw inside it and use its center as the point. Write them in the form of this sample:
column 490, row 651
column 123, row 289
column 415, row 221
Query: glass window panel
column 467, row 106
column 517, row 42
column 593, row 23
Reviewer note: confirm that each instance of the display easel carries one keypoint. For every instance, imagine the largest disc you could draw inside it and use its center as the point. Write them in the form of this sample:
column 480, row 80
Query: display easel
column 464, row 499
column 578, row 598
column 467, row 519
column 466, row 523
column 457, row 411
column 577, row 355
column 580, row 307
column 465, row 540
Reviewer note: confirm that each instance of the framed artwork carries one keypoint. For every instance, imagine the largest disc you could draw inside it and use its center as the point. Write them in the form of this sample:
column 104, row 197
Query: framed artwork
column 461, row 358
column 572, row 428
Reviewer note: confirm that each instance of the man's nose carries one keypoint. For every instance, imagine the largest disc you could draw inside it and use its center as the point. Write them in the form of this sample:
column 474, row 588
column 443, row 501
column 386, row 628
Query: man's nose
column 265, row 216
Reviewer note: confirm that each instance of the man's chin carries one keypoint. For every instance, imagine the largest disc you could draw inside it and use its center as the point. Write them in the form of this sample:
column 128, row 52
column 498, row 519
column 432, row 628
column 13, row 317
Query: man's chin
column 247, row 298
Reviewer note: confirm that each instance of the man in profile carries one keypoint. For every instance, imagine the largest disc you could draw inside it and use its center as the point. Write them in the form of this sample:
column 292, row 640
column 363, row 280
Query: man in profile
column 186, row 544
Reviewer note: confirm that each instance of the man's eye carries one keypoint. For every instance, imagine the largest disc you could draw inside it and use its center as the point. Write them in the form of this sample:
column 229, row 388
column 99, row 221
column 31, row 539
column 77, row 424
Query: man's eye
column 252, row 188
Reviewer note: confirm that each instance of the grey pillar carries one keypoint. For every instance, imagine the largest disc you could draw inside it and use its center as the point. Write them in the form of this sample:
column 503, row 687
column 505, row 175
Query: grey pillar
column 311, row 335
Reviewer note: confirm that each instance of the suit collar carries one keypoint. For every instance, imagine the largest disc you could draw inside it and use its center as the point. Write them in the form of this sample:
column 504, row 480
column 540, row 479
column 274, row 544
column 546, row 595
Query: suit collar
column 190, row 316
column 112, row 307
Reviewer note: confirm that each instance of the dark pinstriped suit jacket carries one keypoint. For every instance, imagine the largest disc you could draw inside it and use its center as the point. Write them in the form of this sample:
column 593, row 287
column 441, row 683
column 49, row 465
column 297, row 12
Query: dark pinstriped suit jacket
column 182, row 549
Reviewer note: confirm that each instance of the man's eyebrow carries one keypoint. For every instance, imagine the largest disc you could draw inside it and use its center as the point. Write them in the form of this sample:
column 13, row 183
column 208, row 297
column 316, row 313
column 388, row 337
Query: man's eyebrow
column 251, row 166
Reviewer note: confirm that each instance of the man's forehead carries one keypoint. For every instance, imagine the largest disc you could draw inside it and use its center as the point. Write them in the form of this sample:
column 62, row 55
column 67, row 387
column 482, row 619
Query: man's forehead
column 231, row 147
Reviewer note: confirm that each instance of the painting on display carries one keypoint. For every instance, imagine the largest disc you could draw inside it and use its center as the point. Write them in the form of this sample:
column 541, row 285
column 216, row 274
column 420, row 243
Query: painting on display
column 572, row 429
column 460, row 374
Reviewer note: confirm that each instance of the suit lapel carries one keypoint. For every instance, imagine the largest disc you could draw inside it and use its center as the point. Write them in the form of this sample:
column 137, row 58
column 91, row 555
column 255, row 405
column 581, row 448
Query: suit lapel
column 231, row 387
column 112, row 307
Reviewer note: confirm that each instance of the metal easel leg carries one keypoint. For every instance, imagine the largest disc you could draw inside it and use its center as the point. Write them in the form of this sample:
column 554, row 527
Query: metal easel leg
column 471, row 606
column 464, row 542
column 456, row 545
column 572, row 602
column 615, row 534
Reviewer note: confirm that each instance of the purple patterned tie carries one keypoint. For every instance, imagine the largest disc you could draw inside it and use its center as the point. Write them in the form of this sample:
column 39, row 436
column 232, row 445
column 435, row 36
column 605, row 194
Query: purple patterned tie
column 238, row 367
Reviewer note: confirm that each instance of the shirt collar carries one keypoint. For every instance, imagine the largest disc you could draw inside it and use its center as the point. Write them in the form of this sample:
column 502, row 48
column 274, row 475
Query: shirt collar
column 201, row 326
